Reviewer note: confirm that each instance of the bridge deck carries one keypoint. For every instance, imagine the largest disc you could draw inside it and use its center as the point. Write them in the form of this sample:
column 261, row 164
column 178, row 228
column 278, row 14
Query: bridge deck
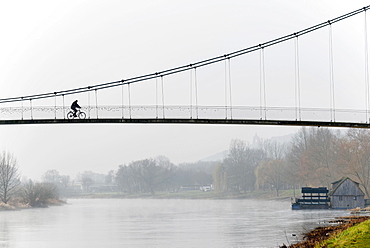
column 190, row 121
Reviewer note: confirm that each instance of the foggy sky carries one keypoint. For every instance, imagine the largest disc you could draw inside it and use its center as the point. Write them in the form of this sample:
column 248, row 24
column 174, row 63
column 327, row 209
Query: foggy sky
column 48, row 46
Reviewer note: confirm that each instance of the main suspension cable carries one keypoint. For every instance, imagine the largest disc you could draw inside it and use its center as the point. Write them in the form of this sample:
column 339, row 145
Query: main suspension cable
column 187, row 67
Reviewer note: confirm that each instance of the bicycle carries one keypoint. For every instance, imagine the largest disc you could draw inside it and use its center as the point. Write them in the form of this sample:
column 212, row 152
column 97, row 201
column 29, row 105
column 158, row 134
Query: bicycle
column 79, row 114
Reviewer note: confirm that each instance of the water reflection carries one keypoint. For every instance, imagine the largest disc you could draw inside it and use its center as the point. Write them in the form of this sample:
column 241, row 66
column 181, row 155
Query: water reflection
column 159, row 223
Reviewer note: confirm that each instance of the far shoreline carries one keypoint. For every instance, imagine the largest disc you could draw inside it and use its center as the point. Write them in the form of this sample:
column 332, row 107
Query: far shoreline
column 285, row 195
column 17, row 206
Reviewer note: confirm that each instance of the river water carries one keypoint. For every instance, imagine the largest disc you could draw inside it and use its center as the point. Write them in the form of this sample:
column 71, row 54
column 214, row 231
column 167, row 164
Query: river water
column 159, row 223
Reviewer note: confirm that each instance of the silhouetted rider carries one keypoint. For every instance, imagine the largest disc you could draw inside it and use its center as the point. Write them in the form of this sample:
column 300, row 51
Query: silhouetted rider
column 74, row 107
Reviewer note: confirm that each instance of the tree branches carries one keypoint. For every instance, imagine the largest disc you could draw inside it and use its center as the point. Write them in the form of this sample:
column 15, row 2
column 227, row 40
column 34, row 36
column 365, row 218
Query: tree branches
column 9, row 176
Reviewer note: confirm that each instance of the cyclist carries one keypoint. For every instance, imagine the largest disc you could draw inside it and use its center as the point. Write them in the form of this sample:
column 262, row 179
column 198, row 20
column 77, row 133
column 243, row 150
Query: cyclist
column 74, row 107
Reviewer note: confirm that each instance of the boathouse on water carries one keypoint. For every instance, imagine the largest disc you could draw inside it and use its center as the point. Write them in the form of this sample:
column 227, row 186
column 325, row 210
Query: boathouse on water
column 346, row 194
column 312, row 198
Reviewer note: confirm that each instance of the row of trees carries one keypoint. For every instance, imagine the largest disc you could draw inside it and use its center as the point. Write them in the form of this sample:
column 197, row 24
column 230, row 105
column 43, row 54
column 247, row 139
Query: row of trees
column 320, row 156
column 142, row 176
column 30, row 193
column 159, row 174
column 314, row 157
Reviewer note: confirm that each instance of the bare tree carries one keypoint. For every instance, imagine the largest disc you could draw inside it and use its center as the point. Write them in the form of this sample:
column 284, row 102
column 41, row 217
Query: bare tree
column 29, row 193
column 220, row 178
column 298, row 148
column 323, row 155
column 87, row 180
column 38, row 194
column 355, row 157
column 273, row 173
column 109, row 178
column 146, row 176
column 51, row 176
column 314, row 155
column 240, row 165
column 274, row 150
column 9, row 177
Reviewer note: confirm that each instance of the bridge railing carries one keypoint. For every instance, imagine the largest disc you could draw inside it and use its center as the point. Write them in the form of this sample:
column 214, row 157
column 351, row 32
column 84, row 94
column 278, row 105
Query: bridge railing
column 189, row 112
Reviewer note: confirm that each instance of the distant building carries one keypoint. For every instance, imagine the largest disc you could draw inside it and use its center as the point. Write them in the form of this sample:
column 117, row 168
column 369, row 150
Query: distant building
column 346, row 194
column 257, row 142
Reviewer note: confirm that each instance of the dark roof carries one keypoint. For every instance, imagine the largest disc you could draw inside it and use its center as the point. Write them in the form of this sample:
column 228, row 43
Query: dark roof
column 344, row 179
column 340, row 182
column 314, row 190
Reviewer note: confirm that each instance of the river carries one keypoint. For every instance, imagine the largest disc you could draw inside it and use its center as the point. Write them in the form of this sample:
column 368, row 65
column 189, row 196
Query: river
column 159, row 223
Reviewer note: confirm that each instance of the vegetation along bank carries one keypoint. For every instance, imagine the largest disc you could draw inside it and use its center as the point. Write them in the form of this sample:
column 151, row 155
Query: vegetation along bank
column 353, row 232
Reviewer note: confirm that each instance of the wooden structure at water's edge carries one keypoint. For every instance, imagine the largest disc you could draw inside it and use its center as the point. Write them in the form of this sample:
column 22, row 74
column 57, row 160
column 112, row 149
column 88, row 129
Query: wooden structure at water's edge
column 344, row 194
column 312, row 198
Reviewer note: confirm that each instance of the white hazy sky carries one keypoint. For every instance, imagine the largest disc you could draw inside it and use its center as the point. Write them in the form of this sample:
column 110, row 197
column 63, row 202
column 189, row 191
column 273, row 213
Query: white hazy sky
column 47, row 46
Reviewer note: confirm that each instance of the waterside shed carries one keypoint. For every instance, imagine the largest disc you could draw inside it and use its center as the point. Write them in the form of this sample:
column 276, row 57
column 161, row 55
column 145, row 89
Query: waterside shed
column 312, row 198
column 346, row 194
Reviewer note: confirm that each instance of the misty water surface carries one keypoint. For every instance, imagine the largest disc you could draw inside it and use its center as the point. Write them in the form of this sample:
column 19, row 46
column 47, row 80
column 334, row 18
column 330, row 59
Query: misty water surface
column 158, row 223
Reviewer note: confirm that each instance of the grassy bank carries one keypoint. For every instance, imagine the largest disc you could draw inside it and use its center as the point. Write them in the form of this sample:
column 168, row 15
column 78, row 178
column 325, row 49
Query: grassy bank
column 353, row 232
column 355, row 236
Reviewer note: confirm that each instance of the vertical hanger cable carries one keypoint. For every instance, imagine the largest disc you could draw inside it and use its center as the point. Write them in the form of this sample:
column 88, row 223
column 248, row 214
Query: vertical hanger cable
column 366, row 69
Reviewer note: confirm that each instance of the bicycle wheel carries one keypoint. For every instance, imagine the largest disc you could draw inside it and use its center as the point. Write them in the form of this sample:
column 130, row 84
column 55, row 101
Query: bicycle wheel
column 82, row 115
column 70, row 115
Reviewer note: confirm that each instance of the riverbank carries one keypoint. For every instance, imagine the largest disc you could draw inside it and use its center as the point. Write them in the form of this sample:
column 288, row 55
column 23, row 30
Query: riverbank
column 15, row 204
column 353, row 231
column 192, row 194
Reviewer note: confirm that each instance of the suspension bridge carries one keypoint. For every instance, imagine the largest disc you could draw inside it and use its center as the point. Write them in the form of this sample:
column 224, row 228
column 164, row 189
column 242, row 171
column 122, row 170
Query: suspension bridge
column 177, row 96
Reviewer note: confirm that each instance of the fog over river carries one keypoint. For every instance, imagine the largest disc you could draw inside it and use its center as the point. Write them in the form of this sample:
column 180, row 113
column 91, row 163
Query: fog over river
column 159, row 223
